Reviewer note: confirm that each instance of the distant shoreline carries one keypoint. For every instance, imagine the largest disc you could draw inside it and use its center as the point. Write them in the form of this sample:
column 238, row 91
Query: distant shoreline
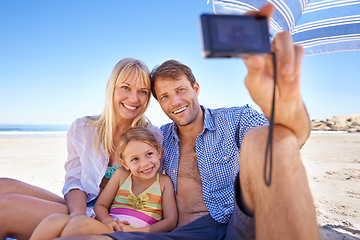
column 33, row 131
column 44, row 131
column 33, row 127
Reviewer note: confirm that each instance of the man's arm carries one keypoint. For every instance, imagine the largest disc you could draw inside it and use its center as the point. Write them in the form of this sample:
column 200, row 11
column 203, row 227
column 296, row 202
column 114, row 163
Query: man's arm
column 290, row 110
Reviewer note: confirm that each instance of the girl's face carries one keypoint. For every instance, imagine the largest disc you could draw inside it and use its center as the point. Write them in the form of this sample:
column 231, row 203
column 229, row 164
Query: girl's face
column 130, row 97
column 142, row 159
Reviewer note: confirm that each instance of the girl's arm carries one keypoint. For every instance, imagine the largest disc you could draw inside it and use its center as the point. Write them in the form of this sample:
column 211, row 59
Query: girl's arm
column 169, row 210
column 107, row 196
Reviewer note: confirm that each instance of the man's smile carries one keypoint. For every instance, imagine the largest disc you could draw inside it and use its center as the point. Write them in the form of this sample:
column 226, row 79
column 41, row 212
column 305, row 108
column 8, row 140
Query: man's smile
column 180, row 110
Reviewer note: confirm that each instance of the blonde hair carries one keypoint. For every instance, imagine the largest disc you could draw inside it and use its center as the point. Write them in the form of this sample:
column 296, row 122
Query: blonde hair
column 141, row 134
column 105, row 124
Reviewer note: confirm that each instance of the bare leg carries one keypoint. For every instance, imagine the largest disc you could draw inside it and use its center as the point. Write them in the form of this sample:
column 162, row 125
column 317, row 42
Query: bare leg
column 285, row 210
column 51, row 227
column 20, row 214
column 85, row 237
column 83, row 225
column 12, row 186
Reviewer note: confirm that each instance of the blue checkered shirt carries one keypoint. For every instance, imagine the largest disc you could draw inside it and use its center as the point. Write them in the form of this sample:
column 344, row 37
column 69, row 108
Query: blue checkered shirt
column 217, row 150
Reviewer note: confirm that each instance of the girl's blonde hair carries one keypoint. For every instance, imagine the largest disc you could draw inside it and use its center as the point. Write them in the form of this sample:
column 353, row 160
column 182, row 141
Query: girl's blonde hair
column 105, row 124
column 141, row 134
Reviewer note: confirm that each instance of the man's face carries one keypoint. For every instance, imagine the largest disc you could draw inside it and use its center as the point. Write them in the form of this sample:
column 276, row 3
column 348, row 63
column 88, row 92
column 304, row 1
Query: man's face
column 178, row 99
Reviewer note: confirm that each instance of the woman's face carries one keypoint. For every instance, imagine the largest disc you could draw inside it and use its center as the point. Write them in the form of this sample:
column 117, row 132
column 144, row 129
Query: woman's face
column 130, row 98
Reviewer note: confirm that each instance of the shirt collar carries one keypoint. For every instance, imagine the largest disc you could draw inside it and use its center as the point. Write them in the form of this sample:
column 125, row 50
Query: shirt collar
column 208, row 120
column 174, row 129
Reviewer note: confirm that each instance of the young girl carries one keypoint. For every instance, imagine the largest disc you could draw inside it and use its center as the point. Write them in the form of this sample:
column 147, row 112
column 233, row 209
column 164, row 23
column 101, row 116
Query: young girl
column 139, row 200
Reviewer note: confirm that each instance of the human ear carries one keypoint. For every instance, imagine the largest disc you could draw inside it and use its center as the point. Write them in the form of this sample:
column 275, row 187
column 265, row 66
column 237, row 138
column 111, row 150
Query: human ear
column 197, row 88
column 124, row 164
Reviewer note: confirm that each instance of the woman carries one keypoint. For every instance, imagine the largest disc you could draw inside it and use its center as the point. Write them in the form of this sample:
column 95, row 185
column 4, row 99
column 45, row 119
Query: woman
column 91, row 156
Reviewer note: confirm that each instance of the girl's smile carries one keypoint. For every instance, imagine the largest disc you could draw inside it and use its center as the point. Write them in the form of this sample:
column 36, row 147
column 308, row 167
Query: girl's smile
column 142, row 159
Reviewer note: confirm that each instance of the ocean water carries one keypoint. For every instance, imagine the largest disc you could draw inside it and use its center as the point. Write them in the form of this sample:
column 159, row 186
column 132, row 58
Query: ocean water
column 32, row 131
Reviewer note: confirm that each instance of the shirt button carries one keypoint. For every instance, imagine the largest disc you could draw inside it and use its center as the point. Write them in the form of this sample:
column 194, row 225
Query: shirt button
column 225, row 158
column 174, row 171
column 177, row 152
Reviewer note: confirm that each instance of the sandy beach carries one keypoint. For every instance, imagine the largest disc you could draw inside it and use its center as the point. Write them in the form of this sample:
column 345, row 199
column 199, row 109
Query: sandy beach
column 332, row 161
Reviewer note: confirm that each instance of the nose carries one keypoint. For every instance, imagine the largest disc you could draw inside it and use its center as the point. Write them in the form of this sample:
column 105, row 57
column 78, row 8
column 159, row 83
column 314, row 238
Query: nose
column 134, row 96
column 144, row 162
column 175, row 100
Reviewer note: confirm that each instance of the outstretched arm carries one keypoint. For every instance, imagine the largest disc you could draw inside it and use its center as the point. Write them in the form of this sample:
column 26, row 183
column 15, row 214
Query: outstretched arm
column 290, row 110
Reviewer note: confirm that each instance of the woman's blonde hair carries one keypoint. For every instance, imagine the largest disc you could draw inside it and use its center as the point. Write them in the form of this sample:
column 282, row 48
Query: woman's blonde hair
column 105, row 124
column 141, row 134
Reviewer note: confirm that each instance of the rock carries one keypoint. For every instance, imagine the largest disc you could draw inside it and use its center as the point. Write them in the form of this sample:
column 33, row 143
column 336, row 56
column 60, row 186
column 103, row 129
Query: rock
column 349, row 123
column 352, row 130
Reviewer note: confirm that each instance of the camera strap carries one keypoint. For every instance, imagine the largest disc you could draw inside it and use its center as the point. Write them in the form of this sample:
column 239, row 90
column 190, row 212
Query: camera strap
column 269, row 144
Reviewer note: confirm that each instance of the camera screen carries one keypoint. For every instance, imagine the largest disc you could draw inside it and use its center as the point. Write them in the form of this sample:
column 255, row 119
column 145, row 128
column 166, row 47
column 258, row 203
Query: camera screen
column 234, row 35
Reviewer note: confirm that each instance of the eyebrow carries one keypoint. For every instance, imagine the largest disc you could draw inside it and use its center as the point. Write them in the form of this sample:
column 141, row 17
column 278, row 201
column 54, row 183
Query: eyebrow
column 132, row 156
column 133, row 85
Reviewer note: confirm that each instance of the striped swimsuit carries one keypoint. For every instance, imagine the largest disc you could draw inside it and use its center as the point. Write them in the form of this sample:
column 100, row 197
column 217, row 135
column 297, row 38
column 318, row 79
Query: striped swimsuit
column 140, row 211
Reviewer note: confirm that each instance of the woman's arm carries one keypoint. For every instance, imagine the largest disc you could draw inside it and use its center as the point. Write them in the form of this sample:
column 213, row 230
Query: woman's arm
column 76, row 202
column 74, row 195
column 169, row 210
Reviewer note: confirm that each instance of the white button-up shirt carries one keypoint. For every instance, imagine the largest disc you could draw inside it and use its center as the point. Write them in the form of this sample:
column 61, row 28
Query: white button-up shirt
column 84, row 167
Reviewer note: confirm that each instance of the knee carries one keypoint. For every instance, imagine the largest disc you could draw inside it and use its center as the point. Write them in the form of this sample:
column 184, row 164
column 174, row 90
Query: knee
column 285, row 151
column 6, row 201
column 77, row 226
column 7, row 206
column 8, row 185
column 56, row 218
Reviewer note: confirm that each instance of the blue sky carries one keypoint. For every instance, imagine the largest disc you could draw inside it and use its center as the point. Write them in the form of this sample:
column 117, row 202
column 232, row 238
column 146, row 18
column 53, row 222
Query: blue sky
column 56, row 57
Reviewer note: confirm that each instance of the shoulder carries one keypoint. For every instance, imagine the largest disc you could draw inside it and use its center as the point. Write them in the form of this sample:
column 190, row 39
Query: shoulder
column 164, row 177
column 165, row 180
column 82, row 126
column 229, row 110
column 86, row 120
column 78, row 122
column 121, row 174
column 156, row 132
column 167, row 130
column 242, row 113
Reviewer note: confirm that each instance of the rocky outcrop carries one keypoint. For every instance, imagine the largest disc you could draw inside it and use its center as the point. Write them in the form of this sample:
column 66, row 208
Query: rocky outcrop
column 349, row 123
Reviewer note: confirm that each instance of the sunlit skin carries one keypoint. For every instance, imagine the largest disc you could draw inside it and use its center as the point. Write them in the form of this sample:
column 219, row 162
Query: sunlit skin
column 142, row 159
column 284, row 210
column 130, row 98
column 178, row 99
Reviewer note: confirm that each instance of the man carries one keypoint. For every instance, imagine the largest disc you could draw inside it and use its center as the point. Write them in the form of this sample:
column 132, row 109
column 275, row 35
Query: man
column 203, row 148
